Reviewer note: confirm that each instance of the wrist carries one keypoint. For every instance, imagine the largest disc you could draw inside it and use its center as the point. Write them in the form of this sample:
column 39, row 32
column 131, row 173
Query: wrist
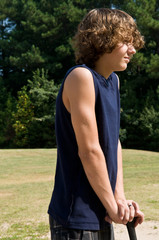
column 111, row 207
column 119, row 196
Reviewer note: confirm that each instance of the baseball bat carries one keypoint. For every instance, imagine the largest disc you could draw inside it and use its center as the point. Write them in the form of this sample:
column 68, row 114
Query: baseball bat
column 131, row 230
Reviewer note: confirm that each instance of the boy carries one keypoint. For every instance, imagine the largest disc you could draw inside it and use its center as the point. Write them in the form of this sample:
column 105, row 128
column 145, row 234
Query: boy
column 88, row 193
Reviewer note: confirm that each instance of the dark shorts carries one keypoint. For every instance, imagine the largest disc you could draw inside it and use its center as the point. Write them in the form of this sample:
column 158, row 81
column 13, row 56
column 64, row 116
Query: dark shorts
column 58, row 232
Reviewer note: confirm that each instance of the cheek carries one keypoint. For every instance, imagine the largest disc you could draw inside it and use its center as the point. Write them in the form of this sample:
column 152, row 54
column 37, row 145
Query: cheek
column 122, row 51
column 117, row 55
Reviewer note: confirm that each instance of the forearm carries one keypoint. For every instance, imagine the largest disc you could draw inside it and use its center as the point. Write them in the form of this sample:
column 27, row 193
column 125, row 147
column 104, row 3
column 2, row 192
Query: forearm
column 94, row 164
column 119, row 190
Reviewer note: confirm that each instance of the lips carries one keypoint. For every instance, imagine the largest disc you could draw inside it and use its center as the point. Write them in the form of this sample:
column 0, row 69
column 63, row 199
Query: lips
column 127, row 59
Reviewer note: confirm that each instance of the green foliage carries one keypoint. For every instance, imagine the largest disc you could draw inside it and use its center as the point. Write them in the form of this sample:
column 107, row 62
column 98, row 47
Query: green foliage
column 123, row 135
column 140, row 81
column 29, row 59
column 34, row 119
column 149, row 125
column 43, row 94
column 37, row 35
column 23, row 118
column 153, row 67
column 7, row 106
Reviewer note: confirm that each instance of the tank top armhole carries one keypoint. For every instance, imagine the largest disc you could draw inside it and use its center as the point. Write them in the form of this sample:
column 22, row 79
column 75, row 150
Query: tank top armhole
column 117, row 81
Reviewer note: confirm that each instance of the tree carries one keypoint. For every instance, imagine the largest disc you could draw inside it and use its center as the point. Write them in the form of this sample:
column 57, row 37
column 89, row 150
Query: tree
column 43, row 93
column 7, row 107
column 149, row 125
column 23, row 118
column 34, row 118
column 36, row 34
column 140, row 82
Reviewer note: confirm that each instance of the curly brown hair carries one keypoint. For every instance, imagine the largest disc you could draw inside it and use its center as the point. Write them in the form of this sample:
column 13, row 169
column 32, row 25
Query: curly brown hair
column 100, row 31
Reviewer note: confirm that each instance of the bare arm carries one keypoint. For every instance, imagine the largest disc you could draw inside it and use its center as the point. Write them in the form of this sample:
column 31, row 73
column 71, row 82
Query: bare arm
column 119, row 190
column 79, row 98
column 125, row 213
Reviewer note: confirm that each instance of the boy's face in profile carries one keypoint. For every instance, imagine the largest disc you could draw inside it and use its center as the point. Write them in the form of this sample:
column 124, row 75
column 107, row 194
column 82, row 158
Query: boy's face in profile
column 118, row 59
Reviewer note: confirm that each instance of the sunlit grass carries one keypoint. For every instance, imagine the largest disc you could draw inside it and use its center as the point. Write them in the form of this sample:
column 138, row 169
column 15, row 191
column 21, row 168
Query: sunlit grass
column 141, row 178
column 26, row 182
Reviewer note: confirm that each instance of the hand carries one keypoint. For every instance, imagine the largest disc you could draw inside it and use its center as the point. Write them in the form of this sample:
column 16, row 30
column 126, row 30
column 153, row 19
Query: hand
column 122, row 216
column 127, row 210
column 115, row 219
column 137, row 213
column 125, row 213
column 132, row 208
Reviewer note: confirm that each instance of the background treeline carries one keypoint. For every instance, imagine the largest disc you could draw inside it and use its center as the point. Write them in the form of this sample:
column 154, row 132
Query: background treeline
column 36, row 52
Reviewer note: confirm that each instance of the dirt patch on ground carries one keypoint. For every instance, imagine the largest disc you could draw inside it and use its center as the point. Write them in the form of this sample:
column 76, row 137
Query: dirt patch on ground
column 5, row 194
column 148, row 230
column 4, row 227
column 30, row 179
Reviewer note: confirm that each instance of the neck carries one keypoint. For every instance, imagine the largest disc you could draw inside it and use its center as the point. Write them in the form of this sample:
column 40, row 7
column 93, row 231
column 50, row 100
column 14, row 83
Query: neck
column 103, row 73
column 102, row 68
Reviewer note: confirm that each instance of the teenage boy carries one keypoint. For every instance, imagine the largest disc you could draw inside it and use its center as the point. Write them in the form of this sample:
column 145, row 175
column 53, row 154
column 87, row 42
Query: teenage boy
column 88, row 193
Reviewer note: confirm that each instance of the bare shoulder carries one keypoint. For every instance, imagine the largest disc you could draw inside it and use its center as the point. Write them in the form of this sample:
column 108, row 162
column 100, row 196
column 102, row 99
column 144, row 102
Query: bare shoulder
column 78, row 76
column 78, row 89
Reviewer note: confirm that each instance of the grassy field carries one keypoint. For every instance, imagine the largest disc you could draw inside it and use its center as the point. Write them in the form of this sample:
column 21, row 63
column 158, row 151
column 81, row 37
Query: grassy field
column 26, row 182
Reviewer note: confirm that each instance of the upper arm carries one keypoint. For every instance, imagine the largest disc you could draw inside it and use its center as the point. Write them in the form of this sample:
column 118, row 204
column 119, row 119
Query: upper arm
column 79, row 89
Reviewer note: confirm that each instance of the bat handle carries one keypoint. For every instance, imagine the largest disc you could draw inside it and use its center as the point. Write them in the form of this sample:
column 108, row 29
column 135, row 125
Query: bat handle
column 131, row 230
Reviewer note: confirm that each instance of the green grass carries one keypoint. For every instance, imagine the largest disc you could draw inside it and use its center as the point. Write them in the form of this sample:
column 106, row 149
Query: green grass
column 26, row 182
column 141, row 180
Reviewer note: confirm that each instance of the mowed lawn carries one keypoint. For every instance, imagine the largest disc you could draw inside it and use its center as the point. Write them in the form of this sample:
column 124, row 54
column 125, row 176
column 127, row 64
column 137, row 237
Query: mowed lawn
column 26, row 182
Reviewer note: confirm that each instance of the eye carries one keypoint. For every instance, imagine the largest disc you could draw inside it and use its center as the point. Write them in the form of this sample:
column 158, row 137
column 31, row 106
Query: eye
column 129, row 44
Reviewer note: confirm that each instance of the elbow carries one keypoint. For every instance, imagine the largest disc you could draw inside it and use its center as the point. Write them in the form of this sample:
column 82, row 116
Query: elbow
column 91, row 158
column 89, row 153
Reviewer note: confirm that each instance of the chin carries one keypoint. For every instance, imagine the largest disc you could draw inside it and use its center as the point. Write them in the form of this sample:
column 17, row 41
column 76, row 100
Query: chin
column 122, row 68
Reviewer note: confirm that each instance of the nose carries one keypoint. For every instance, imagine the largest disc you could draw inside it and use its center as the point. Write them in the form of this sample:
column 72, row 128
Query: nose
column 131, row 49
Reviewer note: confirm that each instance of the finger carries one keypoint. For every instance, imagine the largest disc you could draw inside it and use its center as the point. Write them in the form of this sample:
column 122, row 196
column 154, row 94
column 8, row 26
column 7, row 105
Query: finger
column 135, row 205
column 131, row 213
column 126, row 215
column 139, row 218
column 121, row 209
column 108, row 219
column 142, row 218
column 136, row 222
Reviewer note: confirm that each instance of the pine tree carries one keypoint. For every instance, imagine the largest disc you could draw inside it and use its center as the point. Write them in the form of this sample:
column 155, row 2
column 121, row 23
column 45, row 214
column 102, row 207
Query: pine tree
column 140, row 82
column 37, row 34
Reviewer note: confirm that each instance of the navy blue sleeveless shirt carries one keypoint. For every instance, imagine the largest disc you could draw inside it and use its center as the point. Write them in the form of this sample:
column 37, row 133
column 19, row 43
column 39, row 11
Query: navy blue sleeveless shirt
column 74, row 204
